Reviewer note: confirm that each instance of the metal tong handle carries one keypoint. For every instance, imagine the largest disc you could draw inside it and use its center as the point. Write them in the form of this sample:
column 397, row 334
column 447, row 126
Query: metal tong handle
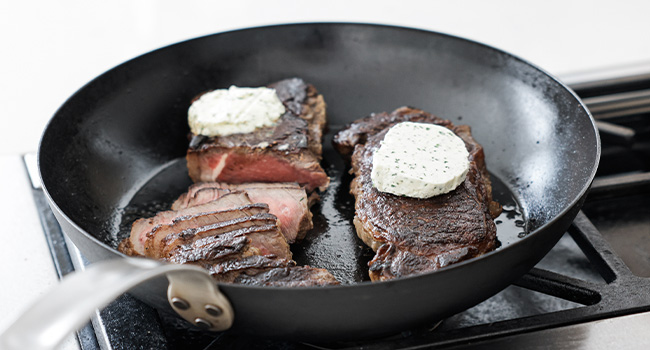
column 68, row 306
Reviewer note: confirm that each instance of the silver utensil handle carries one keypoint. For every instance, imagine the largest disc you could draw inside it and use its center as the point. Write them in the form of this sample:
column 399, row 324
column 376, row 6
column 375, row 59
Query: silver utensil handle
column 192, row 293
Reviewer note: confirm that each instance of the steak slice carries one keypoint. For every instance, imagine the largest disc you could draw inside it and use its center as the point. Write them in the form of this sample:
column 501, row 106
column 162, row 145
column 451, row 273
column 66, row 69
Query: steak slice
column 289, row 151
column 291, row 276
column 192, row 197
column 411, row 235
column 229, row 270
column 134, row 245
column 267, row 271
column 260, row 228
column 160, row 235
column 212, row 249
column 287, row 201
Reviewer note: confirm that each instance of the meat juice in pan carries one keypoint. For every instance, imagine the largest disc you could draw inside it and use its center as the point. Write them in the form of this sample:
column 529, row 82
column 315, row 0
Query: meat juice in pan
column 332, row 243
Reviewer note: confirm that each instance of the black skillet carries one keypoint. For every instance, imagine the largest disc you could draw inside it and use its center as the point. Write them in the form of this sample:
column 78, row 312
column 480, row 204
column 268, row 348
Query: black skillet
column 115, row 150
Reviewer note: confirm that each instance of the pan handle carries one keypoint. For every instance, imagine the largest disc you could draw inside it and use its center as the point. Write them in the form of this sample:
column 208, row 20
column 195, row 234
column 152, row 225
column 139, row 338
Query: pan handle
column 192, row 293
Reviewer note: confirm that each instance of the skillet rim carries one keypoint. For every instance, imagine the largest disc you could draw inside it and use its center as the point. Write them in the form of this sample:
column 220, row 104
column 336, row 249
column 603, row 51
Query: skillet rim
column 366, row 284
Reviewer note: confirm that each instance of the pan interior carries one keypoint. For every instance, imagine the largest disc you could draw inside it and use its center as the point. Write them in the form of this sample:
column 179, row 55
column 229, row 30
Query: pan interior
column 113, row 145
column 332, row 243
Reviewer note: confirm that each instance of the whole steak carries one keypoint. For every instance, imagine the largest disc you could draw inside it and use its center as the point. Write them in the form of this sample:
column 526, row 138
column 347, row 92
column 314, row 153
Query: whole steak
column 289, row 151
column 410, row 235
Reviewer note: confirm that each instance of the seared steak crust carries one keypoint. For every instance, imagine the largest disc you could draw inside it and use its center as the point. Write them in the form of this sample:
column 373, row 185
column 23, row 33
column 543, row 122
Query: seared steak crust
column 289, row 151
column 413, row 235
column 212, row 249
column 229, row 270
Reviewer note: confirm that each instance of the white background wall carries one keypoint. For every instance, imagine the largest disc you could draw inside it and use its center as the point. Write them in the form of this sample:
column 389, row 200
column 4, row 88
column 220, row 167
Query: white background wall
column 49, row 49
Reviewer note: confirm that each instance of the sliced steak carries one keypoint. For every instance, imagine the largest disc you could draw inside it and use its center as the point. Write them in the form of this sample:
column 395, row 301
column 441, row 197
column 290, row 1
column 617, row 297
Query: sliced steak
column 192, row 198
column 287, row 201
column 134, row 245
column 260, row 228
column 230, row 257
column 289, row 151
column 411, row 235
column 162, row 234
column 212, row 249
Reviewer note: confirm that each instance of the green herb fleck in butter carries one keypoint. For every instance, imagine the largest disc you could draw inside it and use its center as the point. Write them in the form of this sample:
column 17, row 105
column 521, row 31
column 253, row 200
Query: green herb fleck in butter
column 419, row 160
column 235, row 110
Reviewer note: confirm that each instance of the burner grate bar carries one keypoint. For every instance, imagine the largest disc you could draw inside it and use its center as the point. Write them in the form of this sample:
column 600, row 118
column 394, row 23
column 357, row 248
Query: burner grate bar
column 616, row 134
column 561, row 286
column 597, row 249
column 610, row 81
column 620, row 185
column 622, row 113
column 618, row 105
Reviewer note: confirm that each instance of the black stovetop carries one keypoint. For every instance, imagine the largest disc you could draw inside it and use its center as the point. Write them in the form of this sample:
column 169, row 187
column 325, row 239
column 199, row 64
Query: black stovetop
column 599, row 269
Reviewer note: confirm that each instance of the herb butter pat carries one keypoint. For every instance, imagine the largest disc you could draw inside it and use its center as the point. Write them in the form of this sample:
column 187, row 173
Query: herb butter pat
column 235, row 110
column 419, row 160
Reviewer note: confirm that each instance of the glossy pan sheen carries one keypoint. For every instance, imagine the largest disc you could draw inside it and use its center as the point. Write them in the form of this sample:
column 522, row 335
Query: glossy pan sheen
column 128, row 124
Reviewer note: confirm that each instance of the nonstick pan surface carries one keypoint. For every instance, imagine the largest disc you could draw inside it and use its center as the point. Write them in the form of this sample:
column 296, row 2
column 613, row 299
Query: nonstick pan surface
column 115, row 151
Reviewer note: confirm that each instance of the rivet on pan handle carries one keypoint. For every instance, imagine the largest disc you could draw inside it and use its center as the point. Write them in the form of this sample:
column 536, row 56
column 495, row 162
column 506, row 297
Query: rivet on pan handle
column 199, row 301
column 70, row 304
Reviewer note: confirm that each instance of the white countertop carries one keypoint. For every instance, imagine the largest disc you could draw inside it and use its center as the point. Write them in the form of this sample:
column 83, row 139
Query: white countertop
column 52, row 48
column 28, row 271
